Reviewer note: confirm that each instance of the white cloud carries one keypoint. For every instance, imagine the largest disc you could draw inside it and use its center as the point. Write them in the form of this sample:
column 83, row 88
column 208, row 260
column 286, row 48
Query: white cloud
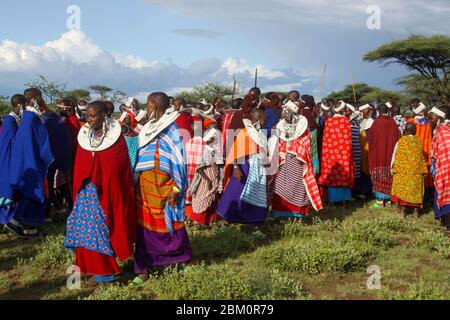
column 74, row 59
column 402, row 16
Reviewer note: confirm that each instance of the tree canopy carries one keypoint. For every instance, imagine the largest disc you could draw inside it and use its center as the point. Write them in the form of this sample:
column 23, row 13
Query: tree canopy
column 208, row 91
column 79, row 94
column 427, row 56
column 51, row 90
column 101, row 90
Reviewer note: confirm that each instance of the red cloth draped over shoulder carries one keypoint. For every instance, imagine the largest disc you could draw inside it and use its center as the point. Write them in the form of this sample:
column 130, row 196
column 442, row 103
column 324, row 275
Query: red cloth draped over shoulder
column 383, row 136
column 74, row 127
column 338, row 167
column 184, row 123
column 109, row 170
column 246, row 109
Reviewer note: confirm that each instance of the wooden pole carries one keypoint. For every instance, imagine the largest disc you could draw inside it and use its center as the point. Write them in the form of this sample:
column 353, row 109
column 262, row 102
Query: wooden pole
column 353, row 84
column 322, row 82
column 256, row 77
column 234, row 91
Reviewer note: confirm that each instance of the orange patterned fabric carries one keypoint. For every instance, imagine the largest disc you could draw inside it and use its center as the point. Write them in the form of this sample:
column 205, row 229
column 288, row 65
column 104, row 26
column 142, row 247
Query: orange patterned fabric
column 151, row 197
column 409, row 169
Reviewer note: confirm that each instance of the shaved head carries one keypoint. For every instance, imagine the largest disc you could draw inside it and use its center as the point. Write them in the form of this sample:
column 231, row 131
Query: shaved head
column 160, row 100
column 410, row 128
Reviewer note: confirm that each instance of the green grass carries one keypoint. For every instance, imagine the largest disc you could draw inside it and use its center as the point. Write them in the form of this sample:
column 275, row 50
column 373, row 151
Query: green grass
column 325, row 256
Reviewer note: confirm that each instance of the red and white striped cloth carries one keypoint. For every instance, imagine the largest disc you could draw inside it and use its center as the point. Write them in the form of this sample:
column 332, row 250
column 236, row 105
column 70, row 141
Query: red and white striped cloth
column 194, row 156
column 301, row 148
column 440, row 150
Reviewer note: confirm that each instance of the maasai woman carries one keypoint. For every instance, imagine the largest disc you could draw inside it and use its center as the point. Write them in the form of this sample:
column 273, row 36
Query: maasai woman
column 364, row 129
column 204, row 158
column 161, row 235
column 440, row 152
column 338, row 167
column 306, row 110
column 352, row 114
column 408, row 169
column 244, row 199
column 383, row 136
column 102, row 225
column 295, row 186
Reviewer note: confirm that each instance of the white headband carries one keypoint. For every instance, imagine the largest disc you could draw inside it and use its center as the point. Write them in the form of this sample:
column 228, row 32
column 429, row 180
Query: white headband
column 324, row 107
column 438, row 112
column 141, row 115
column 123, row 117
column 291, row 106
column 364, row 107
column 341, row 106
column 351, row 107
column 420, row 108
column 129, row 102
column 82, row 108
column 388, row 104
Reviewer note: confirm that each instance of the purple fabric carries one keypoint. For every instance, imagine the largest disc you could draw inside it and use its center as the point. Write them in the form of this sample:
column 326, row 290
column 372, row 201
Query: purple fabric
column 233, row 209
column 155, row 249
column 30, row 212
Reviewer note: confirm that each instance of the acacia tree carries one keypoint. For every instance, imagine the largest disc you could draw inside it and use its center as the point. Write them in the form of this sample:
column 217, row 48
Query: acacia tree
column 4, row 104
column 207, row 91
column 51, row 90
column 118, row 96
column 428, row 57
column 102, row 91
column 79, row 94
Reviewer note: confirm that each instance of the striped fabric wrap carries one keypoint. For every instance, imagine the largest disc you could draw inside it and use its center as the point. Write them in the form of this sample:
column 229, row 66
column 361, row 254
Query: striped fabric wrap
column 440, row 151
column 255, row 190
column 301, row 149
column 289, row 182
column 171, row 152
column 356, row 145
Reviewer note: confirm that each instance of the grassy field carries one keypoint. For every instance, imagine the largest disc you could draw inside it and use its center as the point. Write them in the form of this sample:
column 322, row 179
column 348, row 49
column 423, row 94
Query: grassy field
column 324, row 257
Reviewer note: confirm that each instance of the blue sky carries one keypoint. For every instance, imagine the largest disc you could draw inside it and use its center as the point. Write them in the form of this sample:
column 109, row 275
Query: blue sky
column 141, row 46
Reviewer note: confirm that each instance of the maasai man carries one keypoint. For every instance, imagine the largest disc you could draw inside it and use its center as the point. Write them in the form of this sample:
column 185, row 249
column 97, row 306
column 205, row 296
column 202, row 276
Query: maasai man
column 31, row 153
column 307, row 111
column 7, row 133
column 408, row 169
column 81, row 111
column 102, row 225
column 399, row 119
column 110, row 107
column 244, row 199
column 338, row 166
column 295, row 186
column 419, row 110
column 184, row 121
column 365, row 125
column 204, row 158
column 271, row 110
column 440, row 153
column 383, row 136
column 162, row 238
column 352, row 114
column 63, row 142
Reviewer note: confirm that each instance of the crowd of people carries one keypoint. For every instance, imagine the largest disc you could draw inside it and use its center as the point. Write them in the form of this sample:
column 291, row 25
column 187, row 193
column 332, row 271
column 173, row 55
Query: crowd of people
column 126, row 184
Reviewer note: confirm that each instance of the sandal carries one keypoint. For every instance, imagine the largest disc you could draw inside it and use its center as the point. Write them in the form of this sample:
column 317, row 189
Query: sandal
column 138, row 282
column 258, row 234
column 16, row 230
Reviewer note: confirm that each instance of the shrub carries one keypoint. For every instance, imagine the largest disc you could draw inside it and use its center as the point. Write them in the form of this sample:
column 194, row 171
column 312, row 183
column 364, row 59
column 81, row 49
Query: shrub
column 117, row 292
column 366, row 232
column 227, row 244
column 317, row 256
column 425, row 291
column 433, row 241
column 52, row 254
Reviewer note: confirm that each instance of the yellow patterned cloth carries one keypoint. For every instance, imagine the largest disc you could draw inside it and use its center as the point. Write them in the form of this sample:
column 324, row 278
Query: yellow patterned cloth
column 409, row 168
